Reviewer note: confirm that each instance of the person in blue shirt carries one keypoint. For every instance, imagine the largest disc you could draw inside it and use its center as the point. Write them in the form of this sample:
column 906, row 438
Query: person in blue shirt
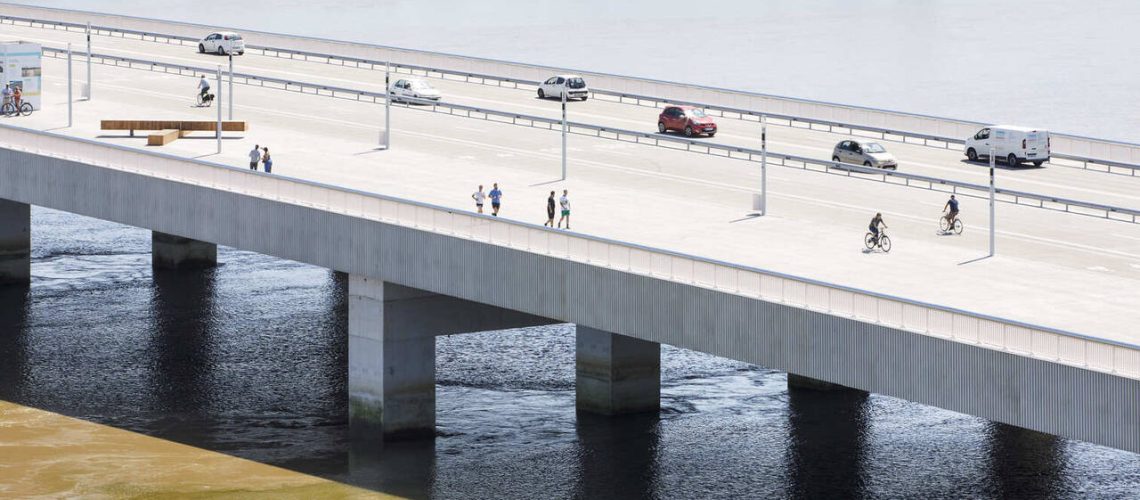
column 496, row 197
column 952, row 206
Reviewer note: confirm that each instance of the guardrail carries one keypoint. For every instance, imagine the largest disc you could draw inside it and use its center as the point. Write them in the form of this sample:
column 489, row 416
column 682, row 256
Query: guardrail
column 988, row 332
column 1023, row 198
column 1088, row 153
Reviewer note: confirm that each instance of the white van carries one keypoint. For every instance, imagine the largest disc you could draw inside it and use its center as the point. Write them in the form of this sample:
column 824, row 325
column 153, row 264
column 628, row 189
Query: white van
column 1014, row 144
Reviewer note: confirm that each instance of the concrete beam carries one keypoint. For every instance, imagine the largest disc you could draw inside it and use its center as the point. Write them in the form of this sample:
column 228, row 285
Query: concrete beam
column 15, row 243
column 617, row 374
column 391, row 353
column 175, row 252
column 802, row 383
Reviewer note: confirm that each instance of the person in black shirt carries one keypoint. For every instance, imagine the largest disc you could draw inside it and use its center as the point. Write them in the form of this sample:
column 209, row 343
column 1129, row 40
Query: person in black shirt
column 550, row 210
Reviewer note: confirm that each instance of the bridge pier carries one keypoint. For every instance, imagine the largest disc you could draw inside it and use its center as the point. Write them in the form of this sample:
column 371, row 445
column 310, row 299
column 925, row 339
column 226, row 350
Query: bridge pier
column 15, row 243
column 802, row 383
column 391, row 353
column 169, row 251
column 617, row 374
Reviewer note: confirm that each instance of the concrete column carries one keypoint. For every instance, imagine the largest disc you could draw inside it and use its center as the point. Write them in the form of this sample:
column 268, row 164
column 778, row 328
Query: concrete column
column 175, row 252
column 15, row 243
column 800, row 382
column 617, row 374
column 391, row 353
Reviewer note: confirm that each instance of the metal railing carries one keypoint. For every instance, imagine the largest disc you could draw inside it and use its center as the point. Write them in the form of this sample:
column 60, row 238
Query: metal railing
column 1023, row 198
column 1087, row 153
column 984, row 331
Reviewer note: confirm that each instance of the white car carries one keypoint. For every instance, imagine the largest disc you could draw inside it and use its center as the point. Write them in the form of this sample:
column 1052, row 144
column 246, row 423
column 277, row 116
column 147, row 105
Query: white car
column 222, row 43
column 573, row 85
column 413, row 88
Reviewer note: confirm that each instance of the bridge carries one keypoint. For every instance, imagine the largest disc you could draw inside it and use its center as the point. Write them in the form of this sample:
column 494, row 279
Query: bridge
column 665, row 246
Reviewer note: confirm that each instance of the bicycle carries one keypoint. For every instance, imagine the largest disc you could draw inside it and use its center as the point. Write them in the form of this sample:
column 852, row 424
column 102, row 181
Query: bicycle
column 883, row 242
column 944, row 225
column 9, row 109
column 205, row 100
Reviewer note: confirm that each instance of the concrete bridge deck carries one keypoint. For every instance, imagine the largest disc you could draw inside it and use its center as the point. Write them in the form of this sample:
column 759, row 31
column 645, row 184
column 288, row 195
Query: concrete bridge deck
column 1057, row 270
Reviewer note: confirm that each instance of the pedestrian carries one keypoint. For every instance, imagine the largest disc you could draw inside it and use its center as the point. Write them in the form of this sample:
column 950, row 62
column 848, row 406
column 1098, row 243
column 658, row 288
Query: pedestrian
column 496, row 198
column 565, row 202
column 267, row 160
column 550, row 211
column 254, row 157
column 479, row 196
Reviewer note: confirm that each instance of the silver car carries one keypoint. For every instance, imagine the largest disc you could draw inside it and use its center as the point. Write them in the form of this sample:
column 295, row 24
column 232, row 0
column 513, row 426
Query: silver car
column 868, row 154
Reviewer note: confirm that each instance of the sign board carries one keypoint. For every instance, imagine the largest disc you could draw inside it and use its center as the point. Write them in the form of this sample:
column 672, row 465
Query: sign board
column 20, row 68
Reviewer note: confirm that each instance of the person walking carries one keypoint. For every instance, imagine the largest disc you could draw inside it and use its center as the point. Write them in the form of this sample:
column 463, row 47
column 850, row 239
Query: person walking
column 254, row 157
column 565, row 202
column 550, row 210
column 479, row 196
column 267, row 160
column 496, row 198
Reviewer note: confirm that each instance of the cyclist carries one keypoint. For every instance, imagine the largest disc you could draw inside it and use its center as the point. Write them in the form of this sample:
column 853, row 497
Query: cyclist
column 17, row 97
column 952, row 206
column 203, row 87
column 874, row 227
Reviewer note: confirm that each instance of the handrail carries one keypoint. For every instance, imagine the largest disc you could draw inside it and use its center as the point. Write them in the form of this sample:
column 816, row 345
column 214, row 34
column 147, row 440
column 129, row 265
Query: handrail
column 735, row 152
column 985, row 331
column 885, row 133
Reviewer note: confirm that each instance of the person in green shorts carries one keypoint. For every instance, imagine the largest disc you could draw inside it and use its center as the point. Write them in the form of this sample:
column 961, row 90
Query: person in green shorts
column 564, row 201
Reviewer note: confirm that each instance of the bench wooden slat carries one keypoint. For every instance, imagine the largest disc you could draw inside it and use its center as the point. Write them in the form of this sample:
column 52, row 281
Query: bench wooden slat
column 187, row 125
column 163, row 137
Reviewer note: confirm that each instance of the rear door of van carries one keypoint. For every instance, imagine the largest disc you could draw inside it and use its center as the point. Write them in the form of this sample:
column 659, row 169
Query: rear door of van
column 1036, row 145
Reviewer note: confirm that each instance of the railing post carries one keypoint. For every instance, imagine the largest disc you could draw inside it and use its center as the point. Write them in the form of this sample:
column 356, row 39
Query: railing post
column 993, row 161
column 230, row 90
column 763, row 165
column 387, row 139
column 69, row 96
column 219, row 130
column 564, row 133
column 87, row 91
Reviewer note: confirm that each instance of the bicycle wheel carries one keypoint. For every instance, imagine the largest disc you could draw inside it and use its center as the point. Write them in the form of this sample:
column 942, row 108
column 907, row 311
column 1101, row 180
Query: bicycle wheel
column 943, row 224
column 885, row 243
column 8, row 109
column 26, row 108
column 869, row 240
column 958, row 226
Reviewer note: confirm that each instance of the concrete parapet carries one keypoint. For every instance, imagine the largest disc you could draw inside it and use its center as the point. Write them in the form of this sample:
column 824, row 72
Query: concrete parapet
column 15, row 243
column 617, row 374
column 175, row 252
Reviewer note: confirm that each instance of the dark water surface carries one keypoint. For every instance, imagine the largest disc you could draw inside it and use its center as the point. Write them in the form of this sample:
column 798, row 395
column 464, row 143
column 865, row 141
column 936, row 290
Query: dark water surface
column 250, row 360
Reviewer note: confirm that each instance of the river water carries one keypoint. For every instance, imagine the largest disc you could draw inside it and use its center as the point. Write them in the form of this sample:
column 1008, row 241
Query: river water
column 250, row 359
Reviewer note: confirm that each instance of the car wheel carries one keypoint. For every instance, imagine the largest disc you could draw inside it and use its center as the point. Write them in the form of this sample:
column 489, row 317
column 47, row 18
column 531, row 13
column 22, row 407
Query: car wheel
column 584, row 98
column 201, row 49
column 221, row 51
column 971, row 154
column 867, row 164
column 541, row 94
column 661, row 127
column 835, row 159
column 711, row 134
column 1038, row 163
column 1012, row 160
column 688, row 131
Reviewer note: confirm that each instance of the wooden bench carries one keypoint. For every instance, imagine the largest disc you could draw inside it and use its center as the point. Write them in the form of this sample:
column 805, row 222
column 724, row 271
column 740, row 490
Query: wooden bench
column 164, row 135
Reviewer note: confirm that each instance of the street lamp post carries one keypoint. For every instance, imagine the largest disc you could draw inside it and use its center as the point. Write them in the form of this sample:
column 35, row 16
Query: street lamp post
column 763, row 165
column 230, row 90
column 993, row 161
column 87, row 91
column 219, row 134
column 387, row 105
column 564, row 134
column 69, row 96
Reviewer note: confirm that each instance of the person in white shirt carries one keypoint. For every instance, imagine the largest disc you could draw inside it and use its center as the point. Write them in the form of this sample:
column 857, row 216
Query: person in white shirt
column 479, row 196
column 254, row 157
column 203, row 86
column 564, row 201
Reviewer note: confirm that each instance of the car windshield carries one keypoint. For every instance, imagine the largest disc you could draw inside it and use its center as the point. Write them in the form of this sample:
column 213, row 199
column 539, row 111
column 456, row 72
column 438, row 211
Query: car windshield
column 873, row 147
column 696, row 113
column 576, row 83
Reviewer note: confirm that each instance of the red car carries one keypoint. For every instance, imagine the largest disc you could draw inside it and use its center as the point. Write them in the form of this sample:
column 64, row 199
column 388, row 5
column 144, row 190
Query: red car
column 686, row 119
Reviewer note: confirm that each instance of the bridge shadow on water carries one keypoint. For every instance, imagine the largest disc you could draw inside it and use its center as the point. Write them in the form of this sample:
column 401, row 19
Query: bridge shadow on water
column 826, row 443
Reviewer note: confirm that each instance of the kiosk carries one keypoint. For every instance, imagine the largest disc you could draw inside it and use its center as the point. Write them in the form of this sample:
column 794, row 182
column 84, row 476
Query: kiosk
column 20, row 68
